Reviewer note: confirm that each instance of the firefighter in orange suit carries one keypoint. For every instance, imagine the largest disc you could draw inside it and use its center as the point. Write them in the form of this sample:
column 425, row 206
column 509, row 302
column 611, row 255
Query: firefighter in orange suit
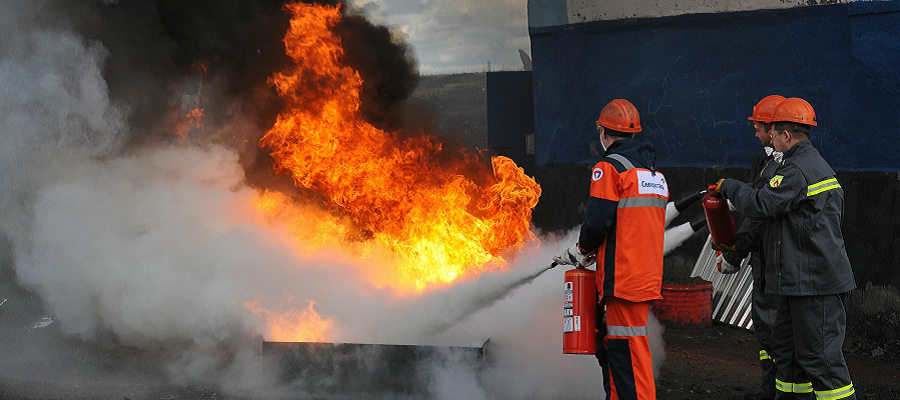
column 623, row 231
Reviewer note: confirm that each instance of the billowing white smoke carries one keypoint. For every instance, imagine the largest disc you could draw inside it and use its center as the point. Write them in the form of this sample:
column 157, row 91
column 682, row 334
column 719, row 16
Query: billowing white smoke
column 134, row 245
column 120, row 244
column 54, row 105
column 675, row 236
column 161, row 247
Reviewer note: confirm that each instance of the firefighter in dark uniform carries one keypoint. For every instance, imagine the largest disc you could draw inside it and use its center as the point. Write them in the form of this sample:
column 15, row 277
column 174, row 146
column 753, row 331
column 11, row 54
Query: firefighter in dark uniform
column 764, row 305
column 624, row 232
column 806, row 261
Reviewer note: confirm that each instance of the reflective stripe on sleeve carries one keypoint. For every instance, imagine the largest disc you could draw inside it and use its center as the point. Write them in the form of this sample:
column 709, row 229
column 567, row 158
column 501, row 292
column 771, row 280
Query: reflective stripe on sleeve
column 642, row 202
column 612, row 330
column 835, row 394
column 820, row 187
column 763, row 355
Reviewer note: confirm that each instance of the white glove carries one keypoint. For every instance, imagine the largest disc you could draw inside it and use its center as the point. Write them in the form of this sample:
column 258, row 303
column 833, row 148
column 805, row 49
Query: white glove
column 723, row 265
column 777, row 155
column 572, row 256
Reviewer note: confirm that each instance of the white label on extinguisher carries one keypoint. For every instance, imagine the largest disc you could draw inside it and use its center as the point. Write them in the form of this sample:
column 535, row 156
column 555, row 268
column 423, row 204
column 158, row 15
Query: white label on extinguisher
column 577, row 322
column 568, row 323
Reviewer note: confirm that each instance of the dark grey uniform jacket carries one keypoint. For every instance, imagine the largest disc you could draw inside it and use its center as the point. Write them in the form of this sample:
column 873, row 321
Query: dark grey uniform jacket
column 802, row 210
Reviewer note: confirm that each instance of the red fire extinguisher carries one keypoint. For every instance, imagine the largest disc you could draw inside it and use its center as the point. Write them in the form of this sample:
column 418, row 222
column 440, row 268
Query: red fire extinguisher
column 580, row 312
column 720, row 221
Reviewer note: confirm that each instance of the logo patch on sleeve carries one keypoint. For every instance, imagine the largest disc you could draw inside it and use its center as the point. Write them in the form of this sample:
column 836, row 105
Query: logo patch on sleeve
column 776, row 180
column 597, row 174
column 650, row 183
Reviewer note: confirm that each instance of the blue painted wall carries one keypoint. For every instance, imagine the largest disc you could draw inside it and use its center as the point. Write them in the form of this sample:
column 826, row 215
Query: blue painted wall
column 695, row 79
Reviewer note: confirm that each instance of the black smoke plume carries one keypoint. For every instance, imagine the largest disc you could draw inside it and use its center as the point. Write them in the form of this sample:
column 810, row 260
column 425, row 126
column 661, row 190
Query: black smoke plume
column 165, row 53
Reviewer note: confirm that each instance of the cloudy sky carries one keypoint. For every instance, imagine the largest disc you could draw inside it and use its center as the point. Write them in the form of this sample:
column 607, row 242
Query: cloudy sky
column 459, row 35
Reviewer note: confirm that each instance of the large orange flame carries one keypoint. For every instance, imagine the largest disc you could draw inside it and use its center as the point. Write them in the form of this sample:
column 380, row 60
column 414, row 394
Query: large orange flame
column 440, row 219
column 293, row 326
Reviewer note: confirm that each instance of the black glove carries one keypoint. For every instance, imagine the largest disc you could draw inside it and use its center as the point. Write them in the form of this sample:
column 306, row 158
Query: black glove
column 724, row 266
column 724, row 247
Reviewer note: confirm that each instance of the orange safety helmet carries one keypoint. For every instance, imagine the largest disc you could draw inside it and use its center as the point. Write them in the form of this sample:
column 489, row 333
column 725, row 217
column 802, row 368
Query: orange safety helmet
column 796, row 110
column 763, row 110
column 620, row 115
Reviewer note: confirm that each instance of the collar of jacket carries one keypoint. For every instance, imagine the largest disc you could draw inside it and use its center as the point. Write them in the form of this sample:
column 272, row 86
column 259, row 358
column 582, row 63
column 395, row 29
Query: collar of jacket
column 639, row 150
column 799, row 146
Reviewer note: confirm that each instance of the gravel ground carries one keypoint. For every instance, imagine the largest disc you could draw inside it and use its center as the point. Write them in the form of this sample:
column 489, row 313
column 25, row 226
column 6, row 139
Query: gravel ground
column 721, row 362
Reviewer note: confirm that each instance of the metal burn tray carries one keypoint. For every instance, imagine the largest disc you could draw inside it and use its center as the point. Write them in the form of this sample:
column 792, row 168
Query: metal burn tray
column 353, row 369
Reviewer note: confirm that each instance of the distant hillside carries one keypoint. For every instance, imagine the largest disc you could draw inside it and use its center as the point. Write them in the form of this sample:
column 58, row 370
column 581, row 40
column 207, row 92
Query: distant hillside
column 460, row 102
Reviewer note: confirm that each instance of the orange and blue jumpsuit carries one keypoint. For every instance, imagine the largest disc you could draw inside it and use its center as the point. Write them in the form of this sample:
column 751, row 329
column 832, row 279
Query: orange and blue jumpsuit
column 625, row 225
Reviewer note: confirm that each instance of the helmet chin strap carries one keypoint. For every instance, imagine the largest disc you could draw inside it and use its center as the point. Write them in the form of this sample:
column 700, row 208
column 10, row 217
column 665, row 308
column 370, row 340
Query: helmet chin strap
column 603, row 142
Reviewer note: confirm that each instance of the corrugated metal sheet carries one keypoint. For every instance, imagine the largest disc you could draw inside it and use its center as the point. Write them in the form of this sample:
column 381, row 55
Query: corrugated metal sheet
column 731, row 293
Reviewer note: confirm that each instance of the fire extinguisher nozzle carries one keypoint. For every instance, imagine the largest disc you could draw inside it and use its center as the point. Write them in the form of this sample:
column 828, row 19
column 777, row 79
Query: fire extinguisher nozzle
column 681, row 204
column 698, row 224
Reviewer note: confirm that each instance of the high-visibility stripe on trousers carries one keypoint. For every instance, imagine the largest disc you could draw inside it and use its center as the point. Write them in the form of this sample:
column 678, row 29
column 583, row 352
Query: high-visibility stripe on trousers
column 630, row 364
column 840, row 393
column 790, row 387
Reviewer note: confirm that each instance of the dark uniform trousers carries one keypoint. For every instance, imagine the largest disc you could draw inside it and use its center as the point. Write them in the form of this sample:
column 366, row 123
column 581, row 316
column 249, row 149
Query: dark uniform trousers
column 821, row 322
column 764, row 309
